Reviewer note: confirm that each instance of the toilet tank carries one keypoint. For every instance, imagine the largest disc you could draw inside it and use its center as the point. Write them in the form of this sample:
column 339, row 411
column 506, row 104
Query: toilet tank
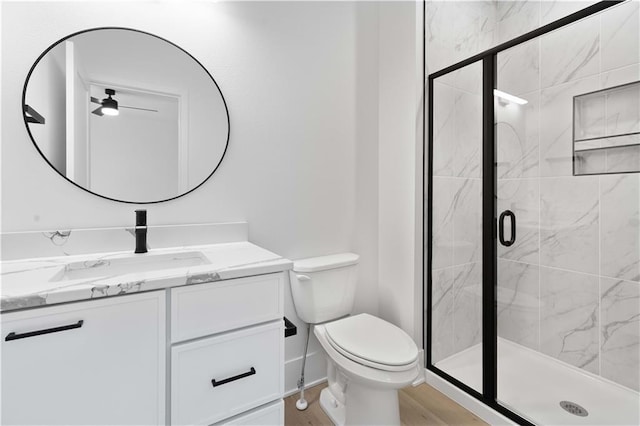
column 323, row 288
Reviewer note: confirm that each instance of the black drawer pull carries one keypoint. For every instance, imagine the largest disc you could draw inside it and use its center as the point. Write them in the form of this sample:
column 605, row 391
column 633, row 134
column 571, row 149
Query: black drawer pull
column 14, row 336
column 231, row 379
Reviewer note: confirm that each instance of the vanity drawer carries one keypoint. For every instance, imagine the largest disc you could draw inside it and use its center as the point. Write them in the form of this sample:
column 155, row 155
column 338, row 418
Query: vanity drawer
column 268, row 415
column 205, row 309
column 218, row 377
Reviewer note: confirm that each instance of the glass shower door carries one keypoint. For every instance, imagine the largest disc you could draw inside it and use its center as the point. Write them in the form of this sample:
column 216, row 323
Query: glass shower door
column 542, row 175
column 517, row 133
column 456, row 249
column 568, row 206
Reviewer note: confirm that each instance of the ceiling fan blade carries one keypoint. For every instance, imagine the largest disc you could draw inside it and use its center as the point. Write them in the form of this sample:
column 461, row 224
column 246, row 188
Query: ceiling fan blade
column 141, row 109
column 96, row 100
column 98, row 112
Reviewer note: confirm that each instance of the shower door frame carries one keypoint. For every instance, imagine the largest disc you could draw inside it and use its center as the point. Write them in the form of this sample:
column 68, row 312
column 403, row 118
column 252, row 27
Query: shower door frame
column 489, row 212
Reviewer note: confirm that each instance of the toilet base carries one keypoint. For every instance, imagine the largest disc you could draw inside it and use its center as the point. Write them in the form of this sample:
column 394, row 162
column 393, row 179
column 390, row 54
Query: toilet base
column 332, row 407
column 365, row 406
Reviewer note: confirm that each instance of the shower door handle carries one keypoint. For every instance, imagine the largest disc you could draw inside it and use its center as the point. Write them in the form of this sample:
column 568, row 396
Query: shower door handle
column 512, row 240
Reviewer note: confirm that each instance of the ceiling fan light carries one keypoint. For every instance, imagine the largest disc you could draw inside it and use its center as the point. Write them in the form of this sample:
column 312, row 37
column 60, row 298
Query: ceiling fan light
column 110, row 106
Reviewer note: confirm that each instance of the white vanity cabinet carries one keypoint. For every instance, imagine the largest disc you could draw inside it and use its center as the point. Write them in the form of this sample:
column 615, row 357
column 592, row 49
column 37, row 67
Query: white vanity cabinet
column 228, row 351
column 86, row 363
column 190, row 355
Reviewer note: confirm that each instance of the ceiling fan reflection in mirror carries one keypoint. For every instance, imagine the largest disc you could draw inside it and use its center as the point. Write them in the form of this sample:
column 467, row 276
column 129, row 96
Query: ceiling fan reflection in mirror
column 109, row 106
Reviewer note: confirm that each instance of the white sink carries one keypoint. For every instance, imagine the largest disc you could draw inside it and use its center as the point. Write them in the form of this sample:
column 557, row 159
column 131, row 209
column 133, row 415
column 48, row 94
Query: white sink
column 127, row 265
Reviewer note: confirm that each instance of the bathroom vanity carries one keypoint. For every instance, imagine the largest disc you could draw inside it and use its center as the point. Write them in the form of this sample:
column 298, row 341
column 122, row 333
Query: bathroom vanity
column 190, row 332
column 190, row 335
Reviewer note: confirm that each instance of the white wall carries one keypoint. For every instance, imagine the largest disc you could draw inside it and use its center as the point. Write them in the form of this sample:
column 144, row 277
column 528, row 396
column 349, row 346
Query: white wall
column 304, row 166
column 400, row 133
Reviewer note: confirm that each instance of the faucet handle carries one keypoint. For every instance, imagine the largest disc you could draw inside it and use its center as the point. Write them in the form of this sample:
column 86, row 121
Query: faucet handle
column 141, row 218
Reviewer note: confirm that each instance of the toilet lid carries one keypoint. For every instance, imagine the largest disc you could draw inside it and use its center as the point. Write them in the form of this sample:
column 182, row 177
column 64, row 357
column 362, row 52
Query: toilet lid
column 372, row 339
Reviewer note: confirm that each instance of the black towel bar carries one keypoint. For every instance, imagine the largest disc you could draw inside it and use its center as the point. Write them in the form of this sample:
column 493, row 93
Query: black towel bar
column 290, row 328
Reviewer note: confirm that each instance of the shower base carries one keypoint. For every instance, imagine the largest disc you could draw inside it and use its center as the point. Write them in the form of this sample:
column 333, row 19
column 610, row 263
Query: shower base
column 533, row 385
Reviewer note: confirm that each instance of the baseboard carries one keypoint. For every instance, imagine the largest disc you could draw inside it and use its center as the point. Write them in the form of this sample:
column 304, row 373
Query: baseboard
column 306, row 386
column 315, row 371
column 481, row 410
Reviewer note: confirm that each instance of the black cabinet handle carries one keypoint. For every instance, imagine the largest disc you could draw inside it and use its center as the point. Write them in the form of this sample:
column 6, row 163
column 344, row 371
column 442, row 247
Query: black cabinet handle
column 14, row 336
column 512, row 240
column 231, row 379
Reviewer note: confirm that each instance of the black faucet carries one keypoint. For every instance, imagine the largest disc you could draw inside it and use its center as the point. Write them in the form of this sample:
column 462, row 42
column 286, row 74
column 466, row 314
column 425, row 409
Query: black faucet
column 141, row 231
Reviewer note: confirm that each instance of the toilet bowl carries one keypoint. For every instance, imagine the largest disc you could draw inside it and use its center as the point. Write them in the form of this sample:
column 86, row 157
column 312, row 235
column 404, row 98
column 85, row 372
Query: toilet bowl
column 368, row 359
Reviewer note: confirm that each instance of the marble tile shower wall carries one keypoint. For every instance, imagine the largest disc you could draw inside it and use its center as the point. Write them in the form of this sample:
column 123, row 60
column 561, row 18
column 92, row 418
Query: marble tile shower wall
column 457, row 30
column 570, row 286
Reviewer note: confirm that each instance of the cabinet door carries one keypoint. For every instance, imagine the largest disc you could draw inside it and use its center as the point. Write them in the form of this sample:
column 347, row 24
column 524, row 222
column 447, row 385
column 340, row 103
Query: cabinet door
column 86, row 363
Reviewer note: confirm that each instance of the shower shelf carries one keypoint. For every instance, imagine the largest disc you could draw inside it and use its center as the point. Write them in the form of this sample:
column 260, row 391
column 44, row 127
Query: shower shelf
column 606, row 131
column 606, row 142
column 597, row 138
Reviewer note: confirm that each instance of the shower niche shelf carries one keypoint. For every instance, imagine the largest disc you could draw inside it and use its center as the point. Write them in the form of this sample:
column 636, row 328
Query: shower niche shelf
column 606, row 131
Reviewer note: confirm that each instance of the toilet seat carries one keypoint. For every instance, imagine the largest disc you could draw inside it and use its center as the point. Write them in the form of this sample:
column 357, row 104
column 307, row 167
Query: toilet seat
column 372, row 342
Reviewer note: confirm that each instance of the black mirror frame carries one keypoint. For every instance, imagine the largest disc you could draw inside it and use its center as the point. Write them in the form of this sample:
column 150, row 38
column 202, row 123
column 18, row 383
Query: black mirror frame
column 26, row 121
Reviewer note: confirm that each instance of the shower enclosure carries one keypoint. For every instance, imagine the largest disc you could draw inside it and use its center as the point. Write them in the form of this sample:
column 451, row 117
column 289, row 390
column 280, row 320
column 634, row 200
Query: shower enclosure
column 532, row 269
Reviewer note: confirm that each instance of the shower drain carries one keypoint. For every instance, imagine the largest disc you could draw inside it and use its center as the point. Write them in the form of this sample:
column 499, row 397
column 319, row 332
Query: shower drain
column 574, row 408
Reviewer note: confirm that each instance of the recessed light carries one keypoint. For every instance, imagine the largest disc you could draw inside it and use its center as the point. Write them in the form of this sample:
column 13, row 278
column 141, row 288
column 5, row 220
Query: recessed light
column 508, row 97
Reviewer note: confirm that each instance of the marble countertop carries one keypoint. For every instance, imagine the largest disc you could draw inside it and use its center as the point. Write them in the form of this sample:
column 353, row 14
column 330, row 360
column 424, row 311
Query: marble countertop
column 29, row 283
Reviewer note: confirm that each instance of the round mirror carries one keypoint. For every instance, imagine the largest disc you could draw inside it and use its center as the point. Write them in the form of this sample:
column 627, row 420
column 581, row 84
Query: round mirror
column 126, row 115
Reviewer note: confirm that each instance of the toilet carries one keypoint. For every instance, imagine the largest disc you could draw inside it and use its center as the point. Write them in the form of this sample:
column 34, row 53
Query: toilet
column 368, row 359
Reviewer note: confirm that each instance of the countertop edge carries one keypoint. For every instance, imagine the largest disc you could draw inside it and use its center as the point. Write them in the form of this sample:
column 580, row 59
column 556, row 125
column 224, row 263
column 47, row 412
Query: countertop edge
column 117, row 286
